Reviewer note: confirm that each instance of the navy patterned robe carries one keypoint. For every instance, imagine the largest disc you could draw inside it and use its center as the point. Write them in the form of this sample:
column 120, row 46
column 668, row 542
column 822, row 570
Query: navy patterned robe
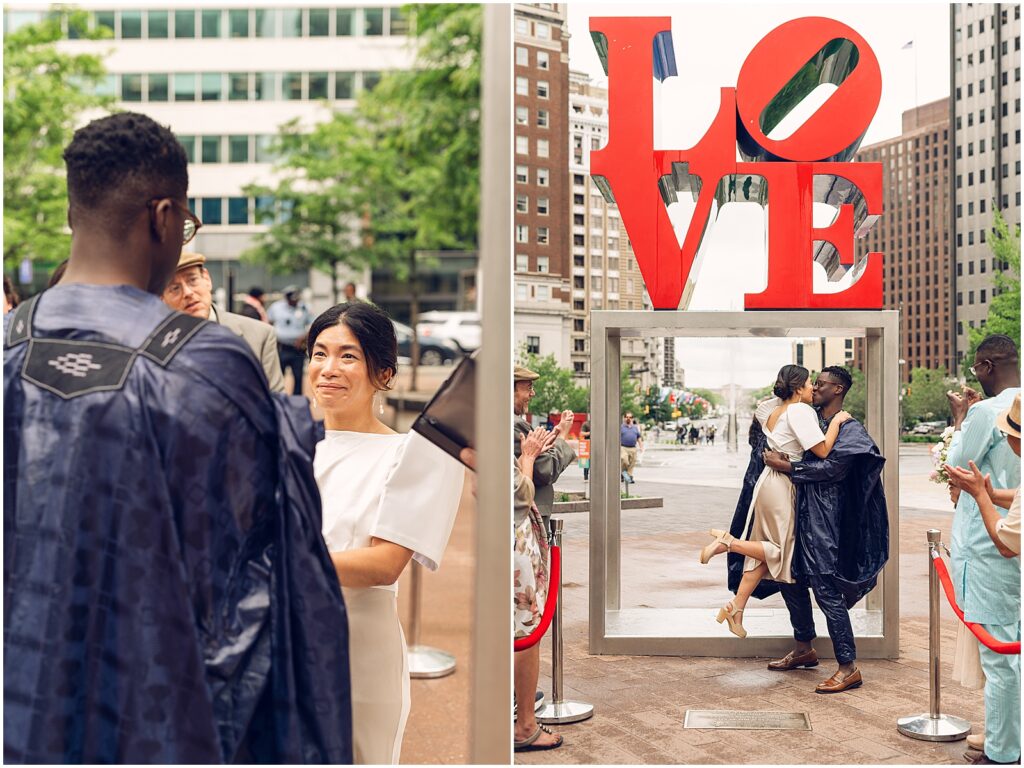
column 168, row 597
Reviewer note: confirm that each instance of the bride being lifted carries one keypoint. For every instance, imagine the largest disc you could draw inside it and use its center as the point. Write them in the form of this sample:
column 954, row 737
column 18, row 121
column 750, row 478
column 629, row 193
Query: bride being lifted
column 792, row 427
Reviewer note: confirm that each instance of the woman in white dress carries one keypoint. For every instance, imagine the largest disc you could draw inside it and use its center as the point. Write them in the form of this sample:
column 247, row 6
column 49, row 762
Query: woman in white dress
column 387, row 498
column 791, row 426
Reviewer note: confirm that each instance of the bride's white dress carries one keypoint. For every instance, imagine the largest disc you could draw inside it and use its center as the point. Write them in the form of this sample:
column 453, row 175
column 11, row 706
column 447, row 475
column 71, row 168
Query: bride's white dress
column 774, row 500
column 403, row 489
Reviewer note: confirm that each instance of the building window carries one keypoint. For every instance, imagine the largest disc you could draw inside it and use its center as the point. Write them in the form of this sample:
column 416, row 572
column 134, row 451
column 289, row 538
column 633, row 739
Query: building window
column 373, row 22
column 291, row 86
column 319, row 22
column 532, row 343
column 522, row 145
column 543, row 60
column 238, row 210
column 542, row 264
column 522, row 204
column 542, row 236
column 238, row 149
column 542, row 177
column 211, row 149
column 131, row 25
column 344, row 22
column 543, row 293
column 522, row 56
column 212, row 210
column 522, row 292
column 211, row 23
column 211, row 85
column 184, row 24
column 542, row 118
column 522, row 262
column 522, row 233
column 267, row 86
column 522, row 86
column 238, row 86
column 542, row 206
column 542, row 89
column 541, row 30
column 157, row 90
column 522, row 174
column 238, row 23
column 522, row 27
column 344, row 85
column 542, row 148
column 131, row 88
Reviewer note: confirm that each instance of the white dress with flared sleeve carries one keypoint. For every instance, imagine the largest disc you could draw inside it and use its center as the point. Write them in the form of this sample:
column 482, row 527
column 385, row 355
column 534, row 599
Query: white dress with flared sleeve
column 402, row 489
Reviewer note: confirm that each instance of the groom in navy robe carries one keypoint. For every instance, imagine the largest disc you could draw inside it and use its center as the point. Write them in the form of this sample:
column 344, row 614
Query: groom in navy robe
column 168, row 597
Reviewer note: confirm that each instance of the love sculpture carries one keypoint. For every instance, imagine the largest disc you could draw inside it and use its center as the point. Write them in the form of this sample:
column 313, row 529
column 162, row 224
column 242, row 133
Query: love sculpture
column 786, row 176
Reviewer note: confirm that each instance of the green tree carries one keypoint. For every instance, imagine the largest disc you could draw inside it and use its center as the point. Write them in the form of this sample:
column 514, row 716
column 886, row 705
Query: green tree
column 46, row 93
column 926, row 396
column 1004, row 309
column 556, row 388
column 856, row 399
column 712, row 397
column 397, row 178
column 630, row 398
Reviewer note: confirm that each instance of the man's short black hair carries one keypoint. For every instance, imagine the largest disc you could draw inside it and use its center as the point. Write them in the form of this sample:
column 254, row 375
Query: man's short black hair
column 124, row 159
column 256, row 292
column 840, row 373
column 997, row 347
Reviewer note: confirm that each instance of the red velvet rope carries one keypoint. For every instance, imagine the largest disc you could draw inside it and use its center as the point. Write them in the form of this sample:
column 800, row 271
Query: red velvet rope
column 554, row 579
column 979, row 631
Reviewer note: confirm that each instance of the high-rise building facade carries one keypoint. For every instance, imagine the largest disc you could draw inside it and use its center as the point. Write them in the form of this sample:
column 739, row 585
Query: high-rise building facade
column 542, row 260
column 225, row 80
column 604, row 271
column 985, row 135
column 913, row 233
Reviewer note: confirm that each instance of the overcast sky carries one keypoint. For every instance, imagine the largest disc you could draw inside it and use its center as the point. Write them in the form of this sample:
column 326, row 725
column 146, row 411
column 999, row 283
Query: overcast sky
column 711, row 42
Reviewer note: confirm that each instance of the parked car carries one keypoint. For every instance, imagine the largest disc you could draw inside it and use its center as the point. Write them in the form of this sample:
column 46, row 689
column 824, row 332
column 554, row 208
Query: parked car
column 432, row 351
column 461, row 327
column 929, row 428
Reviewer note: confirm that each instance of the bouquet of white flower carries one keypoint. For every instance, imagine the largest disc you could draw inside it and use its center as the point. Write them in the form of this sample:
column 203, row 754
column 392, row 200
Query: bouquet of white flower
column 939, row 453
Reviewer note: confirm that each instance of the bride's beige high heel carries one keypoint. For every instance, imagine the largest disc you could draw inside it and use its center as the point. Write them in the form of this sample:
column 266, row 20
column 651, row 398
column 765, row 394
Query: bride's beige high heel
column 721, row 537
column 728, row 613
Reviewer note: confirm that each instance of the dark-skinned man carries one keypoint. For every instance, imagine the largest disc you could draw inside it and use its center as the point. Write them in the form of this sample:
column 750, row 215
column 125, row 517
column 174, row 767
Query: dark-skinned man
column 842, row 535
column 168, row 597
column 987, row 584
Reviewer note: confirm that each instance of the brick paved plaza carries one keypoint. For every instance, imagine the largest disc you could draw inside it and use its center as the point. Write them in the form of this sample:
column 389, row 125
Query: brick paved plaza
column 640, row 701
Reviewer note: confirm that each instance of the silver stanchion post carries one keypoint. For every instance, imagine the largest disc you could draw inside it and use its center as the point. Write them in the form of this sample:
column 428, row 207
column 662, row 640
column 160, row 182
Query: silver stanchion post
column 557, row 711
column 933, row 725
column 424, row 661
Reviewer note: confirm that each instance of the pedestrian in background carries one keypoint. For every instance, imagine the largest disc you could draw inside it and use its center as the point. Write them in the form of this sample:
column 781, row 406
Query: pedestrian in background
column 630, row 438
column 252, row 305
column 291, row 319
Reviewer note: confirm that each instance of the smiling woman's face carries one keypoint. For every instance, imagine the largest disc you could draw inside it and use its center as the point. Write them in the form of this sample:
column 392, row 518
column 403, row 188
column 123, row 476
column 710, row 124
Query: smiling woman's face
column 338, row 373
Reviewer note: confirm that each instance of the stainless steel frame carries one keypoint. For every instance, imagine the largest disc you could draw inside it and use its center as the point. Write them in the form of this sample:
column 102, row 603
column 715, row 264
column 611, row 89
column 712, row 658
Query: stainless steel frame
column 686, row 632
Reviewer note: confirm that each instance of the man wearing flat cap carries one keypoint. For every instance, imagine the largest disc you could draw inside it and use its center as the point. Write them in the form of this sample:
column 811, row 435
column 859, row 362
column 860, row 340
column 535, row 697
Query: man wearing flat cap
column 191, row 291
column 557, row 454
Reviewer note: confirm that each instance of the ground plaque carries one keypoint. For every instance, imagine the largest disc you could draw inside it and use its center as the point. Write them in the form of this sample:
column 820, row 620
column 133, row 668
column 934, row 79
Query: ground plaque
column 747, row 720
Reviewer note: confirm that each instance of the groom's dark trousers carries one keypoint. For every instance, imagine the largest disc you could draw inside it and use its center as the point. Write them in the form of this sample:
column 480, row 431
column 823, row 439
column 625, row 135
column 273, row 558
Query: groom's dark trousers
column 832, row 604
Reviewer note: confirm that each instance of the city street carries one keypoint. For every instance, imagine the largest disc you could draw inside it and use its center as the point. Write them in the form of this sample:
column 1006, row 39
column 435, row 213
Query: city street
column 640, row 701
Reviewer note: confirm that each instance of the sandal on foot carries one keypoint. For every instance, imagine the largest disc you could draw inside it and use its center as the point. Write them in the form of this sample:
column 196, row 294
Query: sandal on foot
column 721, row 537
column 529, row 744
column 728, row 613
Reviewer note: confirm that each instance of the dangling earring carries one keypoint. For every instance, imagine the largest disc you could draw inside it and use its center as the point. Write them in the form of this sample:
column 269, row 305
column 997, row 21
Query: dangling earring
column 380, row 407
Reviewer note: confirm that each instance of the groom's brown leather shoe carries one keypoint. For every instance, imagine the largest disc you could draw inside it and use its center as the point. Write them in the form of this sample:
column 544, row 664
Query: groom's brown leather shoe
column 835, row 685
column 792, row 660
